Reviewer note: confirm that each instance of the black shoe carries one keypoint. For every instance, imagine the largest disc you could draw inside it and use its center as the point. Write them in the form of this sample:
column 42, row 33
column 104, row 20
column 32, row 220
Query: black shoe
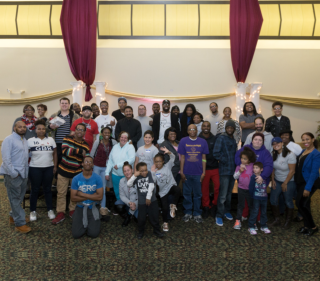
column 158, row 233
column 311, row 231
column 297, row 219
column 205, row 212
column 302, row 230
column 213, row 211
column 105, row 218
column 127, row 220
column 140, row 235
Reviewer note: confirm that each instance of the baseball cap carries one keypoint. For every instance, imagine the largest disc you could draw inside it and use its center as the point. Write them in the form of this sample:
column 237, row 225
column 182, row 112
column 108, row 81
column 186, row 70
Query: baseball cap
column 166, row 101
column 276, row 139
column 86, row 107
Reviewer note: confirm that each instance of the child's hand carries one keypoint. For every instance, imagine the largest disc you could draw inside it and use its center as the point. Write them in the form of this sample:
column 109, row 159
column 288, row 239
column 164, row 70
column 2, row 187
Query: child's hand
column 136, row 173
column 148, row 202
column 153, row 168
column 165, row 150
column 242, row 168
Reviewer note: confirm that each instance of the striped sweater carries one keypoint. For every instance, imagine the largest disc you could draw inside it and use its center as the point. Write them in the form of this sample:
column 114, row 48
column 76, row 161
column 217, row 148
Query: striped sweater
column 71, row 163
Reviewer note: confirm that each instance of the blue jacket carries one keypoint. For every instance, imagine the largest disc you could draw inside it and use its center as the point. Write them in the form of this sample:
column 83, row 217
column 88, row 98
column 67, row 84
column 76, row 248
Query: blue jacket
column 256, row 190
column 310, row 169
column 224, row 150
column 263, row 156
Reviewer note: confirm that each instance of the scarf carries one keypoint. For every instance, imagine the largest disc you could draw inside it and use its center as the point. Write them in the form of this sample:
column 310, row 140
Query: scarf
column 29, row 123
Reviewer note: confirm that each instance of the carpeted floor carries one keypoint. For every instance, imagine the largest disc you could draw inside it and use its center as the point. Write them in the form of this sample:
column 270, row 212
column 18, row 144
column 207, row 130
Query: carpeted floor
column 190, row 251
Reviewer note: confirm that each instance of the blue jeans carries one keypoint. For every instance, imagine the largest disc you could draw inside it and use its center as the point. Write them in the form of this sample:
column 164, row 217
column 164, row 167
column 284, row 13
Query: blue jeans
column 262, row 204
column 115, row 181
column 225, row 193
column 100, row 171
column 288, row 195
column 120, row 202
column 192, row 185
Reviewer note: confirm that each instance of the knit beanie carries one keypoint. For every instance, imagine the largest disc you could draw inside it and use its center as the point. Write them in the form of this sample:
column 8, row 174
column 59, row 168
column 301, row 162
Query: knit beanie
column 258, row 135
column 231, row 123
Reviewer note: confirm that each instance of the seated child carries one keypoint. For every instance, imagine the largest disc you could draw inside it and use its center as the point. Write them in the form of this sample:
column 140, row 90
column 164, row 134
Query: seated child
column 147, row 201
column 258, row 192
column 243, row 174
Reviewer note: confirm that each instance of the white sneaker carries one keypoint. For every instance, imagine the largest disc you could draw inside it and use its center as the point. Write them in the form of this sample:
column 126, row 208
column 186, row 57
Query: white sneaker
column 33, row 216
column 51, row 215
column 165, row 226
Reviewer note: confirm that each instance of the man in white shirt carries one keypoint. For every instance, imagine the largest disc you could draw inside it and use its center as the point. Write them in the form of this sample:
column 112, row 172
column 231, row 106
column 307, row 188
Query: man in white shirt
column 214, row 117
column 144, row 120
column 105, row 119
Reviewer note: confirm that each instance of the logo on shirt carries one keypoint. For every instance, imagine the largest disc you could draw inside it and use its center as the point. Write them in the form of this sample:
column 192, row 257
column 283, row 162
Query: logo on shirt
column 87, row 188
column 143, row 185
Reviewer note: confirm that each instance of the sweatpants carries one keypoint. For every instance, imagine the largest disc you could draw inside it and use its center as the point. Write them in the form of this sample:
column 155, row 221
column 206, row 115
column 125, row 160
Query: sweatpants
column 153, row 214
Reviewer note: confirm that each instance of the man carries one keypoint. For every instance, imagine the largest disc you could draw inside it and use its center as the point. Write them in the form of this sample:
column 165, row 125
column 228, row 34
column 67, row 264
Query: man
column 246, row 120
column 212, row 172
column 91, row 126
column 129, row 125
column 59, row 132
column 74, row 149
column 214, row 117
column 87, row 191
column 162, row 121
column 155, row 109
column 95, row 111
column 144, row 121
column 277, row 123
column 15, row 169
column 105, row 119
column 119, row 114
column 76, row 108
column 224, row 151
column 259, row 126
column 193, row 152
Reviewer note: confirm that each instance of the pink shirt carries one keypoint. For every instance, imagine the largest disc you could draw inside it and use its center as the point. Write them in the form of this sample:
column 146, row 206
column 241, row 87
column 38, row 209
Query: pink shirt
column 244, row 179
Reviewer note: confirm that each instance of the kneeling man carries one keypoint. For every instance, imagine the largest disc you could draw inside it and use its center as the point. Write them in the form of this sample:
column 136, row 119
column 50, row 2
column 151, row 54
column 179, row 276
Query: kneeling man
column 87, row 191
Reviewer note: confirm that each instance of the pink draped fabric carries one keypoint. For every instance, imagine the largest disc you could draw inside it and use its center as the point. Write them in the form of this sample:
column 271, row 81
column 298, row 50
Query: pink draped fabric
column 79, row 31
column 245, row 25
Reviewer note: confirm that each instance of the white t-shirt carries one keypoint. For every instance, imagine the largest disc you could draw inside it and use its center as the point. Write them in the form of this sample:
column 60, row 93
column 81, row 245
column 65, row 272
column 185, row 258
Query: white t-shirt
column 41, row 152
column 104, row 120
column 199, row 128
column 165, row 123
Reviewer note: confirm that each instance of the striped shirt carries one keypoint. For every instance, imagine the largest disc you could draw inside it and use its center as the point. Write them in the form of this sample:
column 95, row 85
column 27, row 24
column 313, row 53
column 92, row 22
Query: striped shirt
column 64, row 129
column 72, row 157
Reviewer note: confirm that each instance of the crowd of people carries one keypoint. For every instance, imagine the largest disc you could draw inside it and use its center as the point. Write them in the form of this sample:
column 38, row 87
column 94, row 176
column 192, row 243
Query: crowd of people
column 143, row 159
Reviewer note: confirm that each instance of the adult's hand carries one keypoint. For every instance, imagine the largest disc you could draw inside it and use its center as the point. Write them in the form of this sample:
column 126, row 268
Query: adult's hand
column 54, row 126
column 306, row 193
column 148, row 202
column 157, row 146
column 84, row 153
column 151, row 123
column 259, row 180
column 202, row 177
column 54, row 170
column 112, row 122
column 107, row 178
column 284, row 187
column 116, row 167
column 183, row 177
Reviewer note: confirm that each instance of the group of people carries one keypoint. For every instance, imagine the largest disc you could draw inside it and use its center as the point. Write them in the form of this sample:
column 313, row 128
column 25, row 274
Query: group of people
column 145, row 157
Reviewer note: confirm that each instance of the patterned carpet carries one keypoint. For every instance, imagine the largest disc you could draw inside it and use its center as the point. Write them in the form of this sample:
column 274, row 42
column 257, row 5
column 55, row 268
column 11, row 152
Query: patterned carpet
column 189, row 251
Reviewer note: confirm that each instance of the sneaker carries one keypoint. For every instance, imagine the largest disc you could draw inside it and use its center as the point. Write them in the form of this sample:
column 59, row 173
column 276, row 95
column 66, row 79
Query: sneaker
column 51, row 215
column 103, row 211
column 173, row 209
column 59, row 218
column 237, row 225
column 252, row 231
column 198, row 219
column 255, row 226
column 23, row 229
column 244, row 218
column 33, row 216
column 71, row 213
column 187, row 217
column 266, row 230
column 219, row 221
column 165, row 226
column 228, row 216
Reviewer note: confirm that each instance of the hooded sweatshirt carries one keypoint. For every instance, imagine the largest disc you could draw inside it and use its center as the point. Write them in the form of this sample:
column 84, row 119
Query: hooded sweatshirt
column 263, row 156
column 267, row 140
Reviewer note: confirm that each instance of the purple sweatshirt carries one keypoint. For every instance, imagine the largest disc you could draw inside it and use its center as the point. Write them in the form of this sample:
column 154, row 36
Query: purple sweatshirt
column 263, row 156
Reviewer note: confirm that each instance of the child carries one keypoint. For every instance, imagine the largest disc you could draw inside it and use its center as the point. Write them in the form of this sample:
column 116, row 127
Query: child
column 147, row 152
column 243, row 174
column 198, row 120
column 258, row 192
column 162, row 175
column 147, row 201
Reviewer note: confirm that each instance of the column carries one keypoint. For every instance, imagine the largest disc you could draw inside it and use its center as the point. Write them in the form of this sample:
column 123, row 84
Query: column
column 241, row 97
column 77, row 93
column 100, row 91
column 255, row 94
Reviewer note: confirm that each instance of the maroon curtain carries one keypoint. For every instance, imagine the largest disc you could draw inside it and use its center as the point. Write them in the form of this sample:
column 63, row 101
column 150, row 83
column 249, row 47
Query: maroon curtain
column 245, row 25
column 78, row 24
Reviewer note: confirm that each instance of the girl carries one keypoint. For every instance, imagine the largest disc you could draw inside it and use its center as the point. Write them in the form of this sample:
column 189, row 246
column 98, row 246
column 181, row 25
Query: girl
column 186, row 118
column 162, row 175
column 128, row 195
column 198, row 120
column 243, row 174
column 147, row 152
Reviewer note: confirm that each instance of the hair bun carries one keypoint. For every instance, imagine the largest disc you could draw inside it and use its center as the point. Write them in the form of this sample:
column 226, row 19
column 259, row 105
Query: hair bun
column 126, row 163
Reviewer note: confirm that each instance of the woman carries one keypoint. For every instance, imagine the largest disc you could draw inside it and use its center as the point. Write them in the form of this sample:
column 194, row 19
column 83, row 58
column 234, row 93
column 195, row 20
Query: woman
column 128, row 196
column 288, row 141
column 175, row 110
column 171, row 143
column 307, row 181
column 43, row 166
column 42, row 109
column 29, row 119
column 222, row 124
column 100, row 152
column 284, row 165
column 120, row 153
column 186, row 118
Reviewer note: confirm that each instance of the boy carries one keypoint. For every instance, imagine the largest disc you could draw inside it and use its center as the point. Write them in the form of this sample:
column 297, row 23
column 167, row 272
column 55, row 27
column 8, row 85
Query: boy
column 258, row 193
column 143, row 181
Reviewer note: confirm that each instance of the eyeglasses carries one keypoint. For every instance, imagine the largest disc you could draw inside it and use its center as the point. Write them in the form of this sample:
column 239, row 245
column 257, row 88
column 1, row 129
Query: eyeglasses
column 277, row 108
column 213, row 106
column 192, row 129
column 87, row 162
column 80, row 130
column 103, row 106
column 29, row 109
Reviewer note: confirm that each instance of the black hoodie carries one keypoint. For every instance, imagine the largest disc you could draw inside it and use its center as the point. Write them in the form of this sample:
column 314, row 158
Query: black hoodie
column 212, row 163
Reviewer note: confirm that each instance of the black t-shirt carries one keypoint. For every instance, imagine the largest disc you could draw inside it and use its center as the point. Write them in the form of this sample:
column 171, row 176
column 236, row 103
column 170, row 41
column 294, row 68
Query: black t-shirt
column 299, row 179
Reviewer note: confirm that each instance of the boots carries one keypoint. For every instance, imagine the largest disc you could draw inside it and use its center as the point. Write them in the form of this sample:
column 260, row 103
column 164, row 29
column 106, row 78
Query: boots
column 23, row 229
column 213, row 211
column 205, row 212
column 127, row 220
column 276, row 214
column 289, row 216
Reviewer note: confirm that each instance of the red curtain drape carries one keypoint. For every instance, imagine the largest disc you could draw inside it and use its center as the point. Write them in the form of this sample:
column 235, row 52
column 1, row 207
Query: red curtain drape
column 78, row 24
column 245, row 25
